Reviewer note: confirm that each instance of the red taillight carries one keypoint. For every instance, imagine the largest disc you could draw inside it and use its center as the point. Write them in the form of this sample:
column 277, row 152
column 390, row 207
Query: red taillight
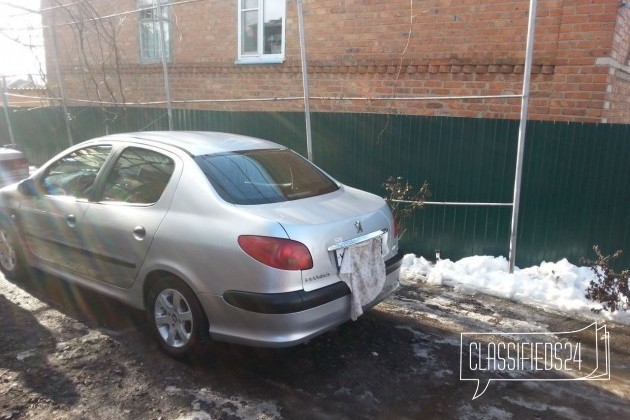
column 396, row 229
column 284, row 254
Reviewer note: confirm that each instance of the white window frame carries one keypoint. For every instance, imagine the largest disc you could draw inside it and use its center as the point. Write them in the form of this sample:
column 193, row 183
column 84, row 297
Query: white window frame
column 260, row 57
column 142, row 49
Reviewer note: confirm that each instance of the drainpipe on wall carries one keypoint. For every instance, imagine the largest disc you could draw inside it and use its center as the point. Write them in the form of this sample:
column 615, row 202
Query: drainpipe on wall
column 307, row 107
column 527, row 71
column 5, row 105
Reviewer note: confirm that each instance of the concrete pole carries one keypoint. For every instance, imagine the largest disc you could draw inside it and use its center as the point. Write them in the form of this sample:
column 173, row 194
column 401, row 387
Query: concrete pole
column 531, row 29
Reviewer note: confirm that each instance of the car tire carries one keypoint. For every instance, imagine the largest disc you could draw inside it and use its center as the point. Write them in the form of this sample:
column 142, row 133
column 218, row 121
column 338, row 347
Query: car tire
column 12, row 262
column 176, row 318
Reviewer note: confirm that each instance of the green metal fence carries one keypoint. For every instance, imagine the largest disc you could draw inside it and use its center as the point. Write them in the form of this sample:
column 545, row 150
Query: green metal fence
column 575, row 192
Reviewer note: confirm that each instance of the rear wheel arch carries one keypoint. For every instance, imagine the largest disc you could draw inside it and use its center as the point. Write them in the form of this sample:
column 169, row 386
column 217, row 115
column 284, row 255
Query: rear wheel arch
column 158, row 275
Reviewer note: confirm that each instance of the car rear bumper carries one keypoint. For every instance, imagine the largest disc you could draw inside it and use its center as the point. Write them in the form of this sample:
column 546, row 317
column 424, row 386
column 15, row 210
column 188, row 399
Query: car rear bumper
column 285, row 319
column 297, row 301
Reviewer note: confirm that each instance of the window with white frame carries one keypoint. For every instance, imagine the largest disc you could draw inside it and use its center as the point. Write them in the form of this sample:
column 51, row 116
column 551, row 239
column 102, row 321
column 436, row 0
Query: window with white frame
column 150, row 27
column 261, row 29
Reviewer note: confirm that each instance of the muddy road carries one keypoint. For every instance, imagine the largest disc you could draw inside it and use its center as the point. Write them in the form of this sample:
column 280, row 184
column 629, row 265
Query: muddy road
column 67, row 353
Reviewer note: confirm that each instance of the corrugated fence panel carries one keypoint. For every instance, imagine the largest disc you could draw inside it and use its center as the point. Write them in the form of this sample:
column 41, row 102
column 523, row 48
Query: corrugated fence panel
column 575, row 192
column 40, row 132
column 462, row 159
column 575, row 184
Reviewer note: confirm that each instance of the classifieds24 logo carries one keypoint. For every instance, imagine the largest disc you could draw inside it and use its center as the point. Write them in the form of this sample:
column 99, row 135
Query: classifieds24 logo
column 580, row 355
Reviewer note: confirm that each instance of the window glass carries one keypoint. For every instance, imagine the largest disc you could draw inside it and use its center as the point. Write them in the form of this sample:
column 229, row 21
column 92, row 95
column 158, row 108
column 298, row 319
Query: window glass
column 272, row 27
column 74, row 174
column 150, row 27
column 261, row 30
column 139, row 176
column 250, row 32
column 264, row 176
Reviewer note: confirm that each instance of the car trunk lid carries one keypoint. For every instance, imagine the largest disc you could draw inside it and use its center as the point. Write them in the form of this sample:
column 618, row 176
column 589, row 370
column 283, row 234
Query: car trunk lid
column 330, row 223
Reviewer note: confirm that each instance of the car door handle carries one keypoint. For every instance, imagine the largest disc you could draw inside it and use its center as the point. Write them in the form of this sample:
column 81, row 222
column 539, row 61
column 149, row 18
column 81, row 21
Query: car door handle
column 139, row 233
column 71, row 220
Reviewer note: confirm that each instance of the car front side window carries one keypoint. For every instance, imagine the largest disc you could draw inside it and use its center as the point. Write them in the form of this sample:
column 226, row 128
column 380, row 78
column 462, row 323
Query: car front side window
column 74, row 174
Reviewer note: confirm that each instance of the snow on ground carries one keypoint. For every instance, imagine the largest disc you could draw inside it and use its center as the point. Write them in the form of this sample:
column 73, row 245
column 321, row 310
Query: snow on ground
column 559, row 286
column 236, row 406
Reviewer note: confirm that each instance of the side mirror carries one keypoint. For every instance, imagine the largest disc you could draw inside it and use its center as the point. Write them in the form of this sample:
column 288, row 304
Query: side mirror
column 28, row 187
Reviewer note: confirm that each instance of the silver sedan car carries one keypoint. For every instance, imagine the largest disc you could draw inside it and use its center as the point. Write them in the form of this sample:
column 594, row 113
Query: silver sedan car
column 214, row 235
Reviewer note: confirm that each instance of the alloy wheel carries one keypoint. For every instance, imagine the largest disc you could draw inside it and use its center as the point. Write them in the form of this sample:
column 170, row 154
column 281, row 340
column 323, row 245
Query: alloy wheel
column 173, row 318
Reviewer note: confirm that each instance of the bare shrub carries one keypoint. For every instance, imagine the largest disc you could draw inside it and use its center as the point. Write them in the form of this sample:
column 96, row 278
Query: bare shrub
column 403, row 198
column 610, row 287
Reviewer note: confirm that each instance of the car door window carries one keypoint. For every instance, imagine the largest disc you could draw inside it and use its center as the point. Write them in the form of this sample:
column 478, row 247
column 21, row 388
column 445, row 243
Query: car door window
column 138, row 177
column 74, row 174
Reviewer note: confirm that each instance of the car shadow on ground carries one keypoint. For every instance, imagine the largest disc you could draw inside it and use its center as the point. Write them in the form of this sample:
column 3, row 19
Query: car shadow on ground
column 91, row 308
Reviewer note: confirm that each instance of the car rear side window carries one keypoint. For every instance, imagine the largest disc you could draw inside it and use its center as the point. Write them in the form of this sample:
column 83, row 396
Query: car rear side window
column 264, row 176
column 138, row 177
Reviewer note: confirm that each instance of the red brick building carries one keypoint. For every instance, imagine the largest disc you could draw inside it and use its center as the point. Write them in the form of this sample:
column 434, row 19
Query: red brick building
column 363, row 55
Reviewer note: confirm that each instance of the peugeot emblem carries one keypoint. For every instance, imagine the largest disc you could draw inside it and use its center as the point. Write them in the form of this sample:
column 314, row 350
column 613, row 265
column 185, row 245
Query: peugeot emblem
column 357, row 225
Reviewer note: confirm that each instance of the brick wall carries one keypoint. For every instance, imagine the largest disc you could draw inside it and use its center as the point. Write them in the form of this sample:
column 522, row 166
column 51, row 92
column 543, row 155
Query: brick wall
column 617, row 103
column 377, row 52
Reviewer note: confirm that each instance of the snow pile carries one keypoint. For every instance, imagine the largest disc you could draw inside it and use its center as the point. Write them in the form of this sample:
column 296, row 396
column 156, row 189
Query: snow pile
column 559, row 286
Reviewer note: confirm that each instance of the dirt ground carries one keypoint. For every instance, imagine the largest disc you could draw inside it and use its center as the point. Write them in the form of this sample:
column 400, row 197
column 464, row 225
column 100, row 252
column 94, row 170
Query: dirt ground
column 66, row 353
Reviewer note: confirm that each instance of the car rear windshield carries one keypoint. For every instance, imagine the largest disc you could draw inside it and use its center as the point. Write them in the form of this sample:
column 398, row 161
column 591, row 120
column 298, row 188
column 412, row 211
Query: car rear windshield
column 264, row 176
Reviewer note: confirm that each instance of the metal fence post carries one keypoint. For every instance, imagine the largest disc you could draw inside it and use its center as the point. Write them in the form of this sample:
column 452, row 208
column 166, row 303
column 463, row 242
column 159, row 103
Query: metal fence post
column 5, row 105
column 62, row 94
column 307, row 107
column 531, row 29
column 167, row 84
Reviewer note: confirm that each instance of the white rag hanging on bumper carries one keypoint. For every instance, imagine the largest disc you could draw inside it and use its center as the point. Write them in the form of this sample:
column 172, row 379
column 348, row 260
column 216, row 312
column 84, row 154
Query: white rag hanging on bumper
column 363, row 270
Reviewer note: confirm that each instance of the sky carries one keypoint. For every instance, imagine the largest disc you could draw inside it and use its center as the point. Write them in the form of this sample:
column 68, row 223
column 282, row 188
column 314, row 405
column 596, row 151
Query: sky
column 16, row 59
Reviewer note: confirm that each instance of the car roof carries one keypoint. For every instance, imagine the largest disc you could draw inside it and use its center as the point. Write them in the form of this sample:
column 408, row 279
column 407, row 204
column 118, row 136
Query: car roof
column 196, row 143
